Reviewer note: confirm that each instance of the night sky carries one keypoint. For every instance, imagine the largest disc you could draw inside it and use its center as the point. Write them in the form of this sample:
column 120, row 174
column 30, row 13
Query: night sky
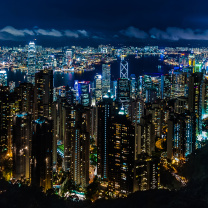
column 103, row 21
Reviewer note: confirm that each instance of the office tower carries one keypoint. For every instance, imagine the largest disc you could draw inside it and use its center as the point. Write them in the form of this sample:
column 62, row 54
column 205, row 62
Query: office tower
column 144, row 83
column 98, row 87
column 76, row 91
column 43, row 96
column 25, row 91
column 123, row 90
column 84, row 93
column 192, row 61
column 156, row 85
column 136, row 110
column 59, row 92
column 106, row 78
column 151, row 95
column 165, row 86
column 181, row 105
column 179, row 84
column 68, row 57
column 11, row 86
column 41, row 167
column 133, row 86
column 198, row 67
column 114, row 89
column 121, row 154
column 124, row 70
column 31, row 63
column 3, row 78
column 22, row 143
column 147, row 173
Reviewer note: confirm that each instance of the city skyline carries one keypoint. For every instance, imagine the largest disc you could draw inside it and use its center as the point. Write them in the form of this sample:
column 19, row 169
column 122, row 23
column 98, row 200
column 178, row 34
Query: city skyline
column 103, row 103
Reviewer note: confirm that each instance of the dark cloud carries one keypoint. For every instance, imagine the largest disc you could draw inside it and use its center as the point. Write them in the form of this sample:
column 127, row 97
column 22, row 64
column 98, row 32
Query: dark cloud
column 174, row 33
column 170, row 33
column 134, row 32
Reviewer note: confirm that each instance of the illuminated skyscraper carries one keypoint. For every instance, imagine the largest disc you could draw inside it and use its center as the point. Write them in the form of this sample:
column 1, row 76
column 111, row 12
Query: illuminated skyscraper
column 133, row 87
column 43, row 96
column 165, row 86
column 123, row 90
column 11, row 86
column 106, row 78
column 98, row 87
column 76, row 122
column 4, row 114
column 68, row 57
column 124, row 68
column 84, row 93
column 121, row 154
column 145, row 136
column 179, row 84
column 195, row 103
column 192, row 61
column 25, row 92
column 3, row 78
column 205, row 98
column 31, row 63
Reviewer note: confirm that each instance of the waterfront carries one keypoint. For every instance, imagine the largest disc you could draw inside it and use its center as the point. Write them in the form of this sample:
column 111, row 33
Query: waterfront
column 137, row 66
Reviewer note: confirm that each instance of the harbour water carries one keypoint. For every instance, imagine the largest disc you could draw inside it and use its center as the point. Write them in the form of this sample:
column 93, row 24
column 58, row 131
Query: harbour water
column 137, row 66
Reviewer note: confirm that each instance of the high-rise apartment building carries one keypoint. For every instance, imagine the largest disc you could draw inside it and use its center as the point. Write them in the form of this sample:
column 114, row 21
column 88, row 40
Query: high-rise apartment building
column 43, row 96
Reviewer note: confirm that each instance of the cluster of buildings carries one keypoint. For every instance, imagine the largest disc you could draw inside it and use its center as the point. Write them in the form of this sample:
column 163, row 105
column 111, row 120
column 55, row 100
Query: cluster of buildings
column 132, row 120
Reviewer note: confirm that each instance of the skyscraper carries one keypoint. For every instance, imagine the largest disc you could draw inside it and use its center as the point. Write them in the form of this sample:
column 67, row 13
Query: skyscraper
column 31, row 63
column 121, row 154
column 43, row 96
column 106, row 78
column 98, row 87
column 195, row 102
column 133, row 88
column 84, row 93
column 41, row 167
column 22, row 143
column 124, row 68
column 123, row 90
column 3, row 78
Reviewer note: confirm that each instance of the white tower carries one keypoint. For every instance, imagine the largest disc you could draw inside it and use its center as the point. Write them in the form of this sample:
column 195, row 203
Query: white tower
column 123, row 68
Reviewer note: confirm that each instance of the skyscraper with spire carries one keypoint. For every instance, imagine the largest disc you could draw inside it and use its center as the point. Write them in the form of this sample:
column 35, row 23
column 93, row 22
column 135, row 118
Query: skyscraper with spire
column 31, row 67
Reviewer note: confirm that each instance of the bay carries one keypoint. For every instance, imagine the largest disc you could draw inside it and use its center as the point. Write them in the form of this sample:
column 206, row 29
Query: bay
column 137, row 66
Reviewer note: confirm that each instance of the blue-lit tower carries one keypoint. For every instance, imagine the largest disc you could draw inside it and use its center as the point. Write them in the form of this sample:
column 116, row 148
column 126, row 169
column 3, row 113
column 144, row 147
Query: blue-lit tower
column 31, row 67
